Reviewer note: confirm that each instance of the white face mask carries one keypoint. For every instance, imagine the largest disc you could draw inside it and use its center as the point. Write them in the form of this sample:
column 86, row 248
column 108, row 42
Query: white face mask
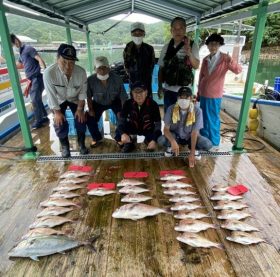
column 137, row 40
column 102, row 77
column 184, row 103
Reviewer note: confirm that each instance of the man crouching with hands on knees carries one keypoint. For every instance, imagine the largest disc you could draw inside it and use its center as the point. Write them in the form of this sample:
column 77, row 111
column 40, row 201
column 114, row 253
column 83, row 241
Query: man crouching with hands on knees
column 66, row 86
column 182, row 122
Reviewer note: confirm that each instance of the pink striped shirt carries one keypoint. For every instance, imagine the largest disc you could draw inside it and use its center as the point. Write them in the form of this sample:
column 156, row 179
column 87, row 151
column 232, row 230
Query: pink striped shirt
column 212, row 85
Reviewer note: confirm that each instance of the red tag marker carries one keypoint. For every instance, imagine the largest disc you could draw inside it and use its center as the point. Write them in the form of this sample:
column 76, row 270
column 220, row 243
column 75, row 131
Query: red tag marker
column 172, row 172
column 80, row 168
column 109, row 186
column 237, row 189
column 136, row 174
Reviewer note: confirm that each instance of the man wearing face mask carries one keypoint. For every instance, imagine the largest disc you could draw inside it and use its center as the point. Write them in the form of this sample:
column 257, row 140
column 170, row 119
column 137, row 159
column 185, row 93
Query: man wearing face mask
column 139, row 58
column 140, row 116
column 177, row 60
column 105, row 91
column 182, row 122
column 66, row 86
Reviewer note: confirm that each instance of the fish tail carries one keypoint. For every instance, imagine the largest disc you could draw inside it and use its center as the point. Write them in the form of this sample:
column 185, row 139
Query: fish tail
column 89, row 243
column 168, row 210
column 220, row 246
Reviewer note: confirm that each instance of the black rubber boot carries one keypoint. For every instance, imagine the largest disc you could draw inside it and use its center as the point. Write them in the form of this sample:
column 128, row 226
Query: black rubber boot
column 81, row 142
column 65, row 147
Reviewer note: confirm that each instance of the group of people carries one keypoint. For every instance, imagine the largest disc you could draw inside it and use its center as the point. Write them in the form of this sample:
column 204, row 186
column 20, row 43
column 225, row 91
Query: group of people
column 185, row 121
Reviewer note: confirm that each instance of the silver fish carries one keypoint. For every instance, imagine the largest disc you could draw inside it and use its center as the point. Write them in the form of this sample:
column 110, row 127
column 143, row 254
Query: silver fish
column 191, row 215
column 183, row 198
column 73, row 174
column 42, row 232
column 137, row 211
column 74, row 180
column 58, row 202
column 55, row 211
column 225, row 196
column 179, row 206
column 44, row 246
column 129, row 182
column 244, row 238
column 135, row 198
column 132, row 189
column 101, row 192
column 64, row 194
column 172, row 177
column 219, row 188
column 230, row 205
column 233, row 214
column 69, row 187
column 193, row 226
column 236, row 225
column 195, row 240
column 176, row 184
column 49, row 221
column 173, row 191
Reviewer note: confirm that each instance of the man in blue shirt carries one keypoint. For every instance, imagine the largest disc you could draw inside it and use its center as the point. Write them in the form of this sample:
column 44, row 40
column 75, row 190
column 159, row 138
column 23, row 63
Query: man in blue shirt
column 32, row 63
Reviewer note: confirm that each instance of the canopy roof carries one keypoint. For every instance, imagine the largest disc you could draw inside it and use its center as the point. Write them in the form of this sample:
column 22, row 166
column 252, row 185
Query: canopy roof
column 85, row 12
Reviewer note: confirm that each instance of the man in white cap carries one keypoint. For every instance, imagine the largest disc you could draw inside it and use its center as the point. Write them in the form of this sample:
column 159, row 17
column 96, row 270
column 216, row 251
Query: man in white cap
column 139, row 58
column 105, row 91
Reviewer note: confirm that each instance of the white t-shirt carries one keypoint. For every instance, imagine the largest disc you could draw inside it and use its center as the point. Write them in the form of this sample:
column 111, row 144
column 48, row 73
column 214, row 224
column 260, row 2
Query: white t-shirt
column 181, row 55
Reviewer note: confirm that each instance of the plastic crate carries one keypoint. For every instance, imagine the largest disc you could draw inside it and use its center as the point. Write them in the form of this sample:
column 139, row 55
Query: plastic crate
column 277, row 84
column 72, row 130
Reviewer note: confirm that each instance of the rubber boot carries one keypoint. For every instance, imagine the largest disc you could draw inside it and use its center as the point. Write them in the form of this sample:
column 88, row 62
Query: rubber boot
column 65, row 147
column 81, row 142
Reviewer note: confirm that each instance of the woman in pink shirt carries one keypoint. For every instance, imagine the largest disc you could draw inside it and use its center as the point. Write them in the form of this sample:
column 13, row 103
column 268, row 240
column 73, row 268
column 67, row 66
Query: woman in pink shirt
column 211, row 86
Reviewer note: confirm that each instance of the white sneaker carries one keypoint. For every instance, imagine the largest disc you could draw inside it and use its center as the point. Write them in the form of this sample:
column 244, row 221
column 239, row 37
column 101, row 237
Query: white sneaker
column 197, row 155
column 168, row 153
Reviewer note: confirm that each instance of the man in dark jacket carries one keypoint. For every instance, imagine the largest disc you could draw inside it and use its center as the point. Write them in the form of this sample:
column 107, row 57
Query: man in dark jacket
column 139, row 58
column 139, row 116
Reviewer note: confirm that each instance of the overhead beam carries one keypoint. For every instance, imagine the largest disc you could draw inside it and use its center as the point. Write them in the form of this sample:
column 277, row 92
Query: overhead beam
column 51, row 9
column 152, row 14
column 178, row 8
column 236, row 16
column 42, row 18
column 92, row 6
column 107, row 16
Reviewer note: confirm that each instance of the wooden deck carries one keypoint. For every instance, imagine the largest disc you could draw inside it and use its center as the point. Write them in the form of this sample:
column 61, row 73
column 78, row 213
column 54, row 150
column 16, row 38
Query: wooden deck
column 147, row 247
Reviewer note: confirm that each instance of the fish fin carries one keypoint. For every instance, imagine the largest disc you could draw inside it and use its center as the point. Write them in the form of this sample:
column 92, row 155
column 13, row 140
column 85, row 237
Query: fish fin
column 91, row 240
column 217, row 226
column 34, row 258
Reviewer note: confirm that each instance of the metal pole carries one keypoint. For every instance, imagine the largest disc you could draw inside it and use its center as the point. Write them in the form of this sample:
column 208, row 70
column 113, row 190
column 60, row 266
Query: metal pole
column 90, row 67
column 68, row 31
column 255, row 51
column 196, row 40
column 14, row 78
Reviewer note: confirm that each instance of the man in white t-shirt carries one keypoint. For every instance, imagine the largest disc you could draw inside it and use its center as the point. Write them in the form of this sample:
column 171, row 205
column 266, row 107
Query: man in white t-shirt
column 177, row 60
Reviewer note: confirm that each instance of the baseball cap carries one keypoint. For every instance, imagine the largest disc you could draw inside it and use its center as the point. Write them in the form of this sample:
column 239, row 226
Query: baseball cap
column 67, row 52
column 101, row 61
column 138, row 85
column 185, row 91
column 137, row 26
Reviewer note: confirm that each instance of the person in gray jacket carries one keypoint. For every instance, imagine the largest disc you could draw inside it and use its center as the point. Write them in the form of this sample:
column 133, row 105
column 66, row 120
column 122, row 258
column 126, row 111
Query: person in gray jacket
column 105, row 91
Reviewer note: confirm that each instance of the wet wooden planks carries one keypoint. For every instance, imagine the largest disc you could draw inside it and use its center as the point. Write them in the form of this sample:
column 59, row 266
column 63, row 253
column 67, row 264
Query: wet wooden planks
column 147, row 247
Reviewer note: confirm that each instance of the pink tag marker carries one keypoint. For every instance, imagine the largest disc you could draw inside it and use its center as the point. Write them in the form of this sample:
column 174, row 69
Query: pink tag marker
column 108, row 186
column 172, row 172
column 136, row 174
column 80, row 168
column 237, row 189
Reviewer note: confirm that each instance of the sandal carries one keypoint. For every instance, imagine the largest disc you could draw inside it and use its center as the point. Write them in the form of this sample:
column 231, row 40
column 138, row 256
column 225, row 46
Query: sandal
column 95, row 143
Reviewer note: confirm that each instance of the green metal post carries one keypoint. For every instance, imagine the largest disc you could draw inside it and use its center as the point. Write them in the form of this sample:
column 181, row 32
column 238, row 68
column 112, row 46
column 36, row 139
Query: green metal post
column 13, row 75
column 68, row 32
column 196, row 40
column 255, row 51
column 90, row 67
